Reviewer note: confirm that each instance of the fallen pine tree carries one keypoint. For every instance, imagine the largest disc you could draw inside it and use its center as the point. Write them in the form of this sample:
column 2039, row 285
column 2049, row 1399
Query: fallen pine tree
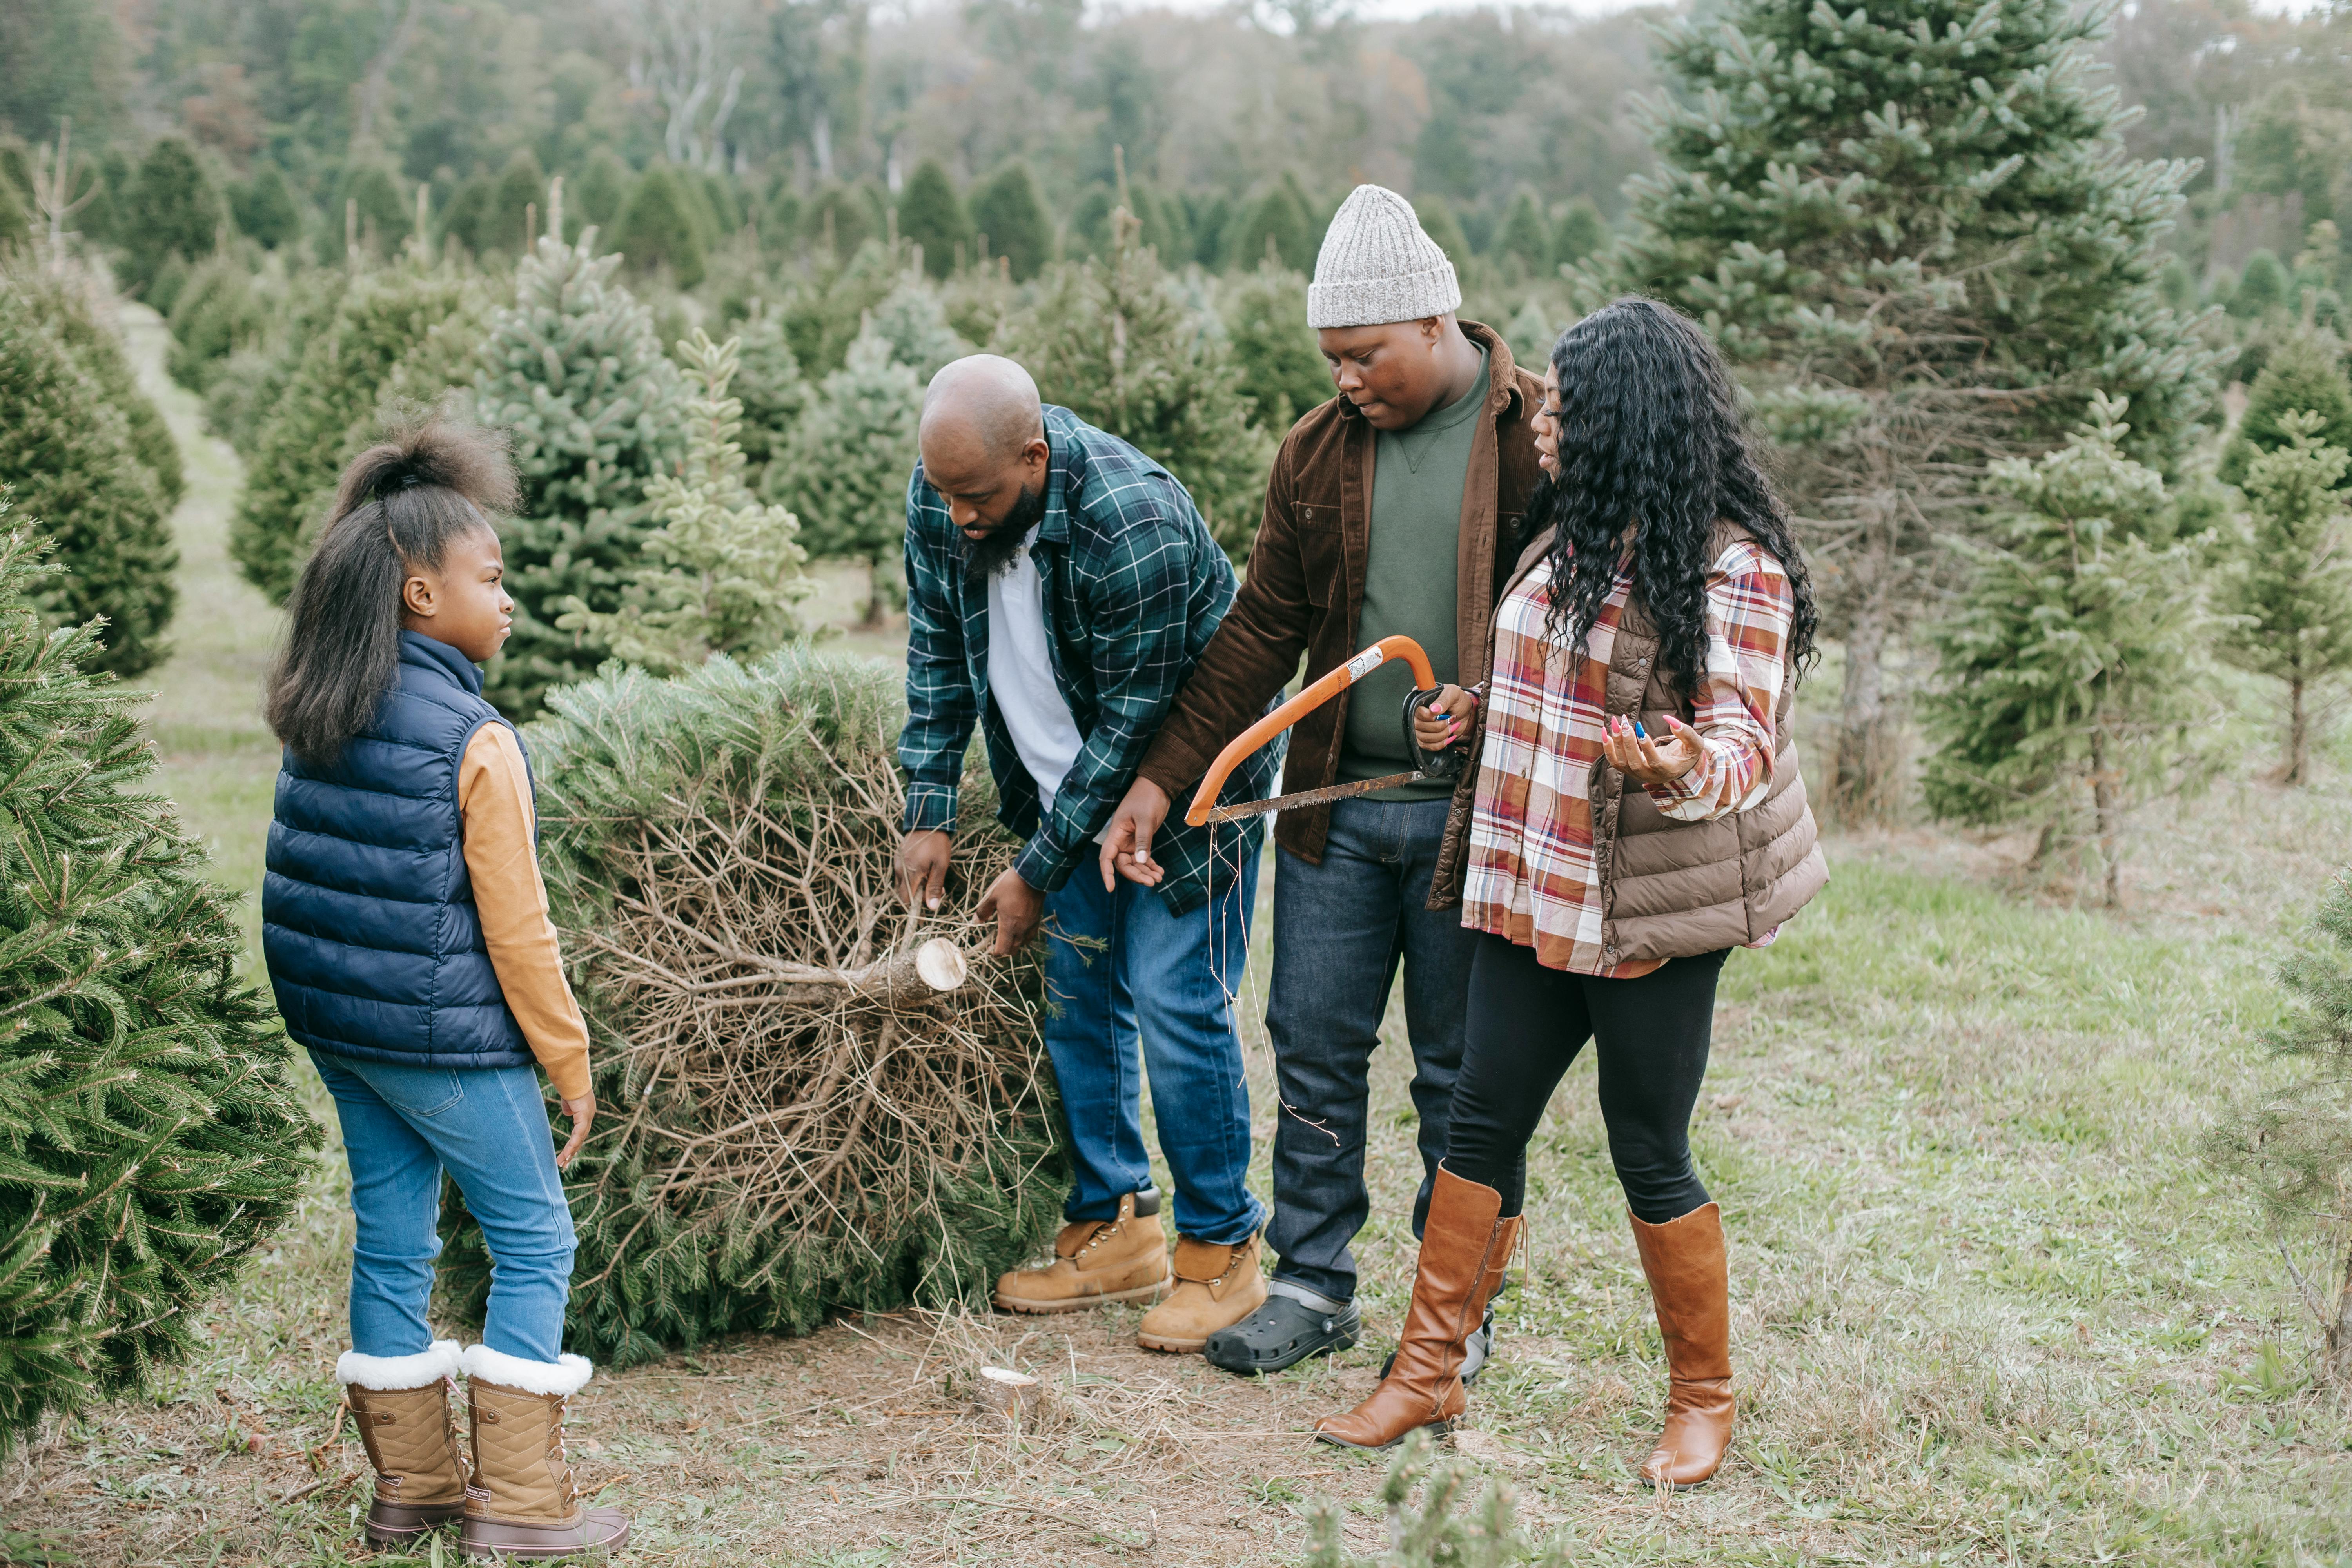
column 807, row 1101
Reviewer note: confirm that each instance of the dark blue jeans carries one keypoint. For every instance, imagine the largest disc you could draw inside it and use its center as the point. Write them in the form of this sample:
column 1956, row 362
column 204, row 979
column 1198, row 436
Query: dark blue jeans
column 1143, row 991
column 1340, row 928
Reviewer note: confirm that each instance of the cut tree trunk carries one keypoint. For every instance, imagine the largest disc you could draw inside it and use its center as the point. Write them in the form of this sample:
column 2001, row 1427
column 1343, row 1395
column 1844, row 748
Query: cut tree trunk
column 2298, row 733
column 2106, row 808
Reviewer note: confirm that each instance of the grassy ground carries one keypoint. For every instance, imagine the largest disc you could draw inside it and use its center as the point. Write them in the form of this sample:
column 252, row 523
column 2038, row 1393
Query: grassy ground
column 1987, row 1305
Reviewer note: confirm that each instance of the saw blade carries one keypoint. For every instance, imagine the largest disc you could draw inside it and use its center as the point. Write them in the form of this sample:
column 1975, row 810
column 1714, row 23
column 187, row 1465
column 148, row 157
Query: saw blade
column 1315, row 797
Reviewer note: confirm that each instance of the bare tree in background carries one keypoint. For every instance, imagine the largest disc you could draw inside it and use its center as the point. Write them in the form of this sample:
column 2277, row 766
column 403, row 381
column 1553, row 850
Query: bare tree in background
column 677, row 49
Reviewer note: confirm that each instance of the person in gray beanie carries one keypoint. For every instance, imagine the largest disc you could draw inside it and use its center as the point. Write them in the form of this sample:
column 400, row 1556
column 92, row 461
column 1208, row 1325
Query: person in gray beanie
column 1395, row 507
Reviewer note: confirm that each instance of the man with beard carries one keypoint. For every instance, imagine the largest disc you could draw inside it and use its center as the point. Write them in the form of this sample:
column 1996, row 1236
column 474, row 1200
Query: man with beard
column 1394, row 508
column 1060, row 586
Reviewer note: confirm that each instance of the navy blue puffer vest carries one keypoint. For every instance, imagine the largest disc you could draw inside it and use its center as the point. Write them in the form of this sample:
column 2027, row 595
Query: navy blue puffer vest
column 374, row 944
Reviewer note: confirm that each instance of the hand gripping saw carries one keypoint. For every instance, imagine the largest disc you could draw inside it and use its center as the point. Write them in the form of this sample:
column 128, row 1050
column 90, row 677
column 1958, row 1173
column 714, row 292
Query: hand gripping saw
column 1440, row 766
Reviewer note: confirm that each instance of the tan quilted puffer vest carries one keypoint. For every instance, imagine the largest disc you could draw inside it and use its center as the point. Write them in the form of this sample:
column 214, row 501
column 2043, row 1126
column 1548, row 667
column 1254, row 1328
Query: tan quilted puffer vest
column 1671, row 889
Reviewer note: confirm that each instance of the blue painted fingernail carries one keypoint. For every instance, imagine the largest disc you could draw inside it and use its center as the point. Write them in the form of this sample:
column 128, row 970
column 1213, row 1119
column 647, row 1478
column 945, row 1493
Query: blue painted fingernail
column 1639, row 730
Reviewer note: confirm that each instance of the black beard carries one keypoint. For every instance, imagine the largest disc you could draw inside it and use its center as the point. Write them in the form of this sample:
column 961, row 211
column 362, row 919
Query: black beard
column 991, row 555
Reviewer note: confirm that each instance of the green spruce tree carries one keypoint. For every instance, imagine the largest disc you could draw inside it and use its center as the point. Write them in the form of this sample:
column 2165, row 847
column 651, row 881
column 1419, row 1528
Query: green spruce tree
column 468, row 219
column 913, row 320
column 844, row 472
column 302, row 447
column 67, row 452
column 173, row 211
column 1451, row 1528
column 68, row 299
column 2305, row 375
column 1914, row 231
column 383, row 209
column 770, row 385
column 1274, row 219
column 2262, row 287
column 657, row 228
column 574, row 370
column 840, row 218
column 722, row 569
column 15, row 221
column 2293, row 1141
column 218, row 311
column 2067, row 675
column 1011, row 216
column 933, row 215
column 1525, row 242
column 1438, row 222
column 595, row 198
column 518, row 201
column 1283, row 371
column 1580, row 232
column 1112, row 342
column 263, row 207
column 2288, row 585
column 153, row 1139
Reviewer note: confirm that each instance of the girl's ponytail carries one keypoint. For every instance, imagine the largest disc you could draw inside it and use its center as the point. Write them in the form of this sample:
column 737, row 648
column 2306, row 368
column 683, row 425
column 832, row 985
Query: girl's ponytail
column 398, row 506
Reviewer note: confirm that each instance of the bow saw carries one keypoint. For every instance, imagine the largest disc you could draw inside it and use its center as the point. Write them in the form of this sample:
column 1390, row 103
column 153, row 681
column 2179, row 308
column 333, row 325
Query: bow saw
column 1428, row 767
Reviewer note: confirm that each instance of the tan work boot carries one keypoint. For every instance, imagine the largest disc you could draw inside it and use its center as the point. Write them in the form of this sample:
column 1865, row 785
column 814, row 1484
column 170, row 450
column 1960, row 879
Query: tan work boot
column 1217, row 1287
column 1690, row 1284
column 524, row 1502
column 1094, row 1261
column 401, row 1406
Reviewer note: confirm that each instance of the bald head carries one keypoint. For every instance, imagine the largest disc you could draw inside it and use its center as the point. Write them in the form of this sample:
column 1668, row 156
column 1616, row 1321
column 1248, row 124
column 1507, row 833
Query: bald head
column 983, row 440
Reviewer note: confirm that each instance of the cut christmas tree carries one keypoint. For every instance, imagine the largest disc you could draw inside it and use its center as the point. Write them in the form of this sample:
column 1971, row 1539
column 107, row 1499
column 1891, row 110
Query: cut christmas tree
column 149, row 1143
column 810, row 1107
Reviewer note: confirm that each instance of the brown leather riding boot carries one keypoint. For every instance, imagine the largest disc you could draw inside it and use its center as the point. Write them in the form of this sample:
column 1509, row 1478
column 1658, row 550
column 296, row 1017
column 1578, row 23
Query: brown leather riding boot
column 1690, row 1284
column 1094, row 1261
column 524, row 1502
column 1464, row 1248
column 401, row 1406
column 1217, row 1287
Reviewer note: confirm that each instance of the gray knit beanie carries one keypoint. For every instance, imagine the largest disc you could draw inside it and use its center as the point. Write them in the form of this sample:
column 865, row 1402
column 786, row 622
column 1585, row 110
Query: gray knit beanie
column 1377, row 266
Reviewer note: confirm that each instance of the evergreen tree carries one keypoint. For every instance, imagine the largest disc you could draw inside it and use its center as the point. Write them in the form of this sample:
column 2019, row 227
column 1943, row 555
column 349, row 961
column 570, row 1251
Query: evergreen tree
column 720, row 200
column 518, row 199
column 1526, row 239
column 247, row 391
column 383, row 210
column 1531, row 334
column 1277, row 218
column 1109, row 341
column 846, row 469
column 218, row 311
column 768, row 385
column 263, row 207
column 2290, row 584
column 840, row 218
column 2262, row 287
column 15, row 221
column 1209, row 217
column 931, row 214
column 173, row 211
column 302, row 447
column 1441, row 1532
column 1914, row 229
column 67, row 451
column 2067, row 674
column 1581, row 232
column 1283, row 371
column 597, row 197
column 574, row 370
column 1010, row 213
column 657, row 228
column 2293, row 1140
column 468, row 219
column 913, row 321
column 2303, row 376
column 723, row 571
column 154, row 1141
column 64, row 300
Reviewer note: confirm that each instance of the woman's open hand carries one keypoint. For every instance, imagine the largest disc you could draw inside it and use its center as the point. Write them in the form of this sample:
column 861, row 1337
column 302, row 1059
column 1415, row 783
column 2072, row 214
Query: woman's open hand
column 1439, row 724
column 1647, row 759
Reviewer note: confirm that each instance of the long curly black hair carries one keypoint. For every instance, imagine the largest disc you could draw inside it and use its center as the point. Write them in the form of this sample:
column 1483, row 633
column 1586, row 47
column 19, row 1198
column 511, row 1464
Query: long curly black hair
column 1651, row 438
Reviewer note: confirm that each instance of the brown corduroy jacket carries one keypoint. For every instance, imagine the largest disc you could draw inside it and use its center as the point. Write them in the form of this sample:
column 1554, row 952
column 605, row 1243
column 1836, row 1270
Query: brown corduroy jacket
column 1304, row 591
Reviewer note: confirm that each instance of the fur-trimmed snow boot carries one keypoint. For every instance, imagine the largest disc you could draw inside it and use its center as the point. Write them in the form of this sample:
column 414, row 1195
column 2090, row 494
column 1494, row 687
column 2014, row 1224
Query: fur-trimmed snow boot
column 524, row 1502
column 401, row 1406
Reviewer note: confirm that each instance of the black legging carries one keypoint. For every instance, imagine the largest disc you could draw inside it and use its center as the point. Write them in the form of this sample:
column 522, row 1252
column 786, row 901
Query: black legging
column 1526, row 1024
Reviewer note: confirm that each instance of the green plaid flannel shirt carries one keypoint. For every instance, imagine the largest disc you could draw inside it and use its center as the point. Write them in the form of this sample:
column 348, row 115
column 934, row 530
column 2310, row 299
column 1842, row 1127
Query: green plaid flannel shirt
column 1134, row 588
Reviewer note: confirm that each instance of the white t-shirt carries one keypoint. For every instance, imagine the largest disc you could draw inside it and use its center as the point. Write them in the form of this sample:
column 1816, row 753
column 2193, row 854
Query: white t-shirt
column 1020, row 676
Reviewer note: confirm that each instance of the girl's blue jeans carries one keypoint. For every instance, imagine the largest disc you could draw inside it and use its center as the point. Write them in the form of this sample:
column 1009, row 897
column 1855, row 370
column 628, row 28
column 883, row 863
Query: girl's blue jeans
column 487, row 1128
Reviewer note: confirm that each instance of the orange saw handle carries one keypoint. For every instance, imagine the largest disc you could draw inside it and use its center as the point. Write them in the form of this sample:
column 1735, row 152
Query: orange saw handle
column 1333, row 682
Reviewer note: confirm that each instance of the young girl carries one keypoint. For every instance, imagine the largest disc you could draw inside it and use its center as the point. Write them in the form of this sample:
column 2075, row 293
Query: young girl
column 407, row 936
column 1636, row 812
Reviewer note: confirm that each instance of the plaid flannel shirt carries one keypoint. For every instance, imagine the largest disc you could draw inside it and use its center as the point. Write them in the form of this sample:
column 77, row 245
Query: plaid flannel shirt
column 1134, row 587
column 1532, row 876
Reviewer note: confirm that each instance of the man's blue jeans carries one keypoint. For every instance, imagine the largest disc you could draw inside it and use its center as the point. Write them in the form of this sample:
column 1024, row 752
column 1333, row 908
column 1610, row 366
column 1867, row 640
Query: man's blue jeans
column 1136, row 976
column 487, row 1128
column 1340, row 928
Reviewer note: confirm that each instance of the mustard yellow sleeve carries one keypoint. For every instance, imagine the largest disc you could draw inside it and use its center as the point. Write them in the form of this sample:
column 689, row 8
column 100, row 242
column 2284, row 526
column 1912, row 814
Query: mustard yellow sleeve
column 494, row 800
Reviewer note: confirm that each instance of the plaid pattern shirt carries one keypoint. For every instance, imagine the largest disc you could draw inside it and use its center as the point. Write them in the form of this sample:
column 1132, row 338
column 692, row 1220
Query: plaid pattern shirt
column 1134, row 588
column 1532, row 876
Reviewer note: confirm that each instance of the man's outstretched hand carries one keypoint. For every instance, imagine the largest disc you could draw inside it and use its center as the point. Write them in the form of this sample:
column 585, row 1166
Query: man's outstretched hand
column 923, row 868
column 1016, row 907
column 1127, row 842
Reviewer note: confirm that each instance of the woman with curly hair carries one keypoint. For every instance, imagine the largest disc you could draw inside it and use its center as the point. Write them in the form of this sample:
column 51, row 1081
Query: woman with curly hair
column 1636, row 812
